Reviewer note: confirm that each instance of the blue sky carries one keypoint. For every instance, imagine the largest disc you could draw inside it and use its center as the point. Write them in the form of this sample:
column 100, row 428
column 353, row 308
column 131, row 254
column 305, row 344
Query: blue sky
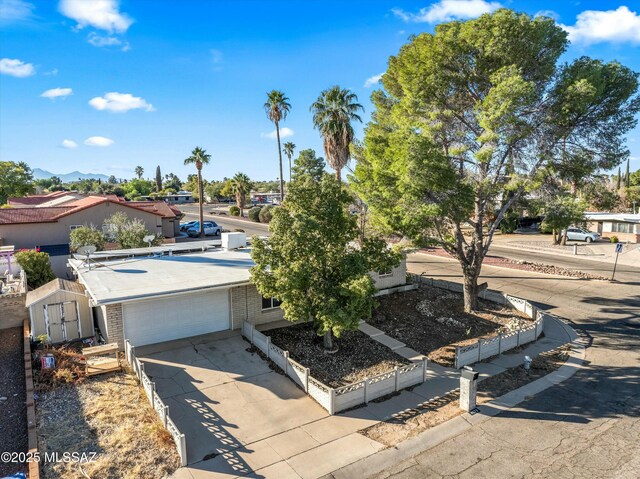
column 143, row 82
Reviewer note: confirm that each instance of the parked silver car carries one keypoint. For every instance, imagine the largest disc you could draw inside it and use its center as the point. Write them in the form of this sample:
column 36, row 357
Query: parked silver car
column 581, row 234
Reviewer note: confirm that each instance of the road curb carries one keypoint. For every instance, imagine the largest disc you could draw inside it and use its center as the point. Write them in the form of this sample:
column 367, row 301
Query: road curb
column 434, row 436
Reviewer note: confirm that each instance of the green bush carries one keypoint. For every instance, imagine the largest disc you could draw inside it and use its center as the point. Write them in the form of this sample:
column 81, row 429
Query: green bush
column 234, row 210
column 254, row 214
column 266, row 213
column 86, row 235
column 36, row 266
column 613, row 239
column 509, row 222
column 545, row 229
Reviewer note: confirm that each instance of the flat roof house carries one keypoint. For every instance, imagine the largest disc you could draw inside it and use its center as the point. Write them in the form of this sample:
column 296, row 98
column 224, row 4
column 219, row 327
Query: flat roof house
column 45, row 221
column 626, row 226
column 150, row 299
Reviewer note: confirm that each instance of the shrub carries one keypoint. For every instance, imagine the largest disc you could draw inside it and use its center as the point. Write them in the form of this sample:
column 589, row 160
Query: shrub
column 239, row 230
column 129, row 233
column 545, row 229
column 254, row 214
column 613, row 239
column 36, row 266
column 234, row 210
column 509, row 222
column 86, row 235
column 266, row 214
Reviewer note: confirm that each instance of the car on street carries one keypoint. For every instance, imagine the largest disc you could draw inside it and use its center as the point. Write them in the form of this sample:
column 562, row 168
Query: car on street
column 186, row 226
column 210, row 228
column 581, row 234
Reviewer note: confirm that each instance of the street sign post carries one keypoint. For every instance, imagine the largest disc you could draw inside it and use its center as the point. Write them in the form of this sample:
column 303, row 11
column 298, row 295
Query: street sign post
column 618, row 251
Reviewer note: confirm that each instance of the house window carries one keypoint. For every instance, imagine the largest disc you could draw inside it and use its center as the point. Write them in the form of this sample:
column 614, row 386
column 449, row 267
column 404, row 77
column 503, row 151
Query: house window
column 73, row 227
column 622, row 228
column 385, row 274
column 270, row 303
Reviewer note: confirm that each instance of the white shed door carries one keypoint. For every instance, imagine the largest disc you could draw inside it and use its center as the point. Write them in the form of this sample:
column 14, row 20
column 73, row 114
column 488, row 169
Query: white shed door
column 175, row 317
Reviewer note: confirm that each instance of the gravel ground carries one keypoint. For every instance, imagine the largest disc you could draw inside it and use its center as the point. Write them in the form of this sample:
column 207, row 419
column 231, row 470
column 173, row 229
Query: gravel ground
column 432, row 321
column 411, row 422
column 358, row 355
column 13, row 410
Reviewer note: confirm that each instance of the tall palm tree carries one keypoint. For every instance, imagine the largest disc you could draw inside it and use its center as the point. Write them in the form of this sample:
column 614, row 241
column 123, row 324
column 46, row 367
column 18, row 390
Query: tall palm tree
column 241, row 186
column 333, row 112
column 139, row 171
column 288, row 150
column 277, row 106
column 199, row 157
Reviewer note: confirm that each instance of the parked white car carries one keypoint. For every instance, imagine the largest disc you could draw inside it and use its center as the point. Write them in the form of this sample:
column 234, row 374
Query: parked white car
column 581, row 234
column 210, row 228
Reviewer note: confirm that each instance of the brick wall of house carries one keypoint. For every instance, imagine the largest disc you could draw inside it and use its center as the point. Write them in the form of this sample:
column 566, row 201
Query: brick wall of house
column 12, row 310
column 115, row 331
column 246, row 304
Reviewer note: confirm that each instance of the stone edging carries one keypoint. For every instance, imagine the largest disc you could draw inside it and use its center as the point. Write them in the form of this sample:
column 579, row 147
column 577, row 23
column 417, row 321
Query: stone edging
column 34, row 469
column 454, row 427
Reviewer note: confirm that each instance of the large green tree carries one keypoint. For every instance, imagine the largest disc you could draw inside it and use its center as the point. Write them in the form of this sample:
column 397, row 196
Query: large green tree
column 289, row 147
column 333, row 112
column 277, row 107
column 311, row 262
column 139, row 171
column 16, row 179
column 470, row 117
column 240, row 186
column 199, row 157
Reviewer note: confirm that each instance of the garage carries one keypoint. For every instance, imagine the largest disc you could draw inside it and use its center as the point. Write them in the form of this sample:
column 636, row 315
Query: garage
column 174, row 317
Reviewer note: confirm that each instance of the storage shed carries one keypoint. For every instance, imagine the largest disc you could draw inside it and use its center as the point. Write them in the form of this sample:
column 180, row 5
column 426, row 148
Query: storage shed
column 60, row 309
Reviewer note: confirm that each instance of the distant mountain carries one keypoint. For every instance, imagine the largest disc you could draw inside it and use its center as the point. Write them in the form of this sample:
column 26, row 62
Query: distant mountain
column 39, row 174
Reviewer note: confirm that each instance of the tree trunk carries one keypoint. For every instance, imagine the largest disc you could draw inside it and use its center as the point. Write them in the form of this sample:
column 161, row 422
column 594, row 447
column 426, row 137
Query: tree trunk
column 328, row 341
column 470, row 290
column 200, row 199
column 338, row 176
column 280, row 156
column 564, row 237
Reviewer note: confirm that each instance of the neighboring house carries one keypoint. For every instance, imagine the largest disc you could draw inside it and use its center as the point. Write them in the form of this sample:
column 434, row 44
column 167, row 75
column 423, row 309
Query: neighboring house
column 45, row 221
column 181, row 197
column 151, row 299
column 625, row 226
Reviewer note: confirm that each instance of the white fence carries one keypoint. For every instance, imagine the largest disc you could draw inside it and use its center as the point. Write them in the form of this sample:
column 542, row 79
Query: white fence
column 495, row 345
column 156, row 402
column 337, row 399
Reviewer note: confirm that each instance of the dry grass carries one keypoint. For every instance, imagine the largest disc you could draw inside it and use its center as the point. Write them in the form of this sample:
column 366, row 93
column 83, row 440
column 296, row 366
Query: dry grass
column 109, row 415
column 68, row 369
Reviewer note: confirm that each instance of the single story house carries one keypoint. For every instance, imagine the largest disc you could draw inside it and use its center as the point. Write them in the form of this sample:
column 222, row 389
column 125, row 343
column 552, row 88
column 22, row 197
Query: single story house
column 626, row 226
column 45, row 221
column 60, row 310
column 150, row 299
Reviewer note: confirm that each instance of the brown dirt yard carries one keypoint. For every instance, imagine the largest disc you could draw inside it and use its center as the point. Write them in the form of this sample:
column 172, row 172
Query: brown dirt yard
column 433, row 322
column 411, row 422
column 108, row 415
column 358, row 355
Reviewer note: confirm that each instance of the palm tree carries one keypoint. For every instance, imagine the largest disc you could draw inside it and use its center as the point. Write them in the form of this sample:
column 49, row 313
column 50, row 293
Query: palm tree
column 288, row 150
column 333, row 112
column 199, row 157
column 139, row 171
column 277, row 106
column 241, row 186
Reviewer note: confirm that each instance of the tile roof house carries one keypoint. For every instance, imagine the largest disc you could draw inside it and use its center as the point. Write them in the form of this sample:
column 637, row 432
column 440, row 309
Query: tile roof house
column 45, row 221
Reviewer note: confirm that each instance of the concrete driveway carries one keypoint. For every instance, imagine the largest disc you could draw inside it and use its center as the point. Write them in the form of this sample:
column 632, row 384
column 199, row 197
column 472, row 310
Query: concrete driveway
column 241, row 418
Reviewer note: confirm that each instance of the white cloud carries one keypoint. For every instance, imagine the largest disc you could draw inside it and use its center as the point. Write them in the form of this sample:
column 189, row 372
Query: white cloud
column 101, row 14
column 548, row 13
column 57, row 93
column 595, row 26
column 216, row 56
column 448, row 10
column 71, row 143
column 98, row 141
column 108, row 41
column 374, row 80
column 15, row 11
column 284, row 133
column 120, row 102
column 53, row 72
column 16, row 68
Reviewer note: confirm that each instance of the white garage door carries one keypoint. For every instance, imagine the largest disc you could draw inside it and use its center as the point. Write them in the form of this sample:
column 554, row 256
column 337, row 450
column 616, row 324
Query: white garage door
column 181, row 316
